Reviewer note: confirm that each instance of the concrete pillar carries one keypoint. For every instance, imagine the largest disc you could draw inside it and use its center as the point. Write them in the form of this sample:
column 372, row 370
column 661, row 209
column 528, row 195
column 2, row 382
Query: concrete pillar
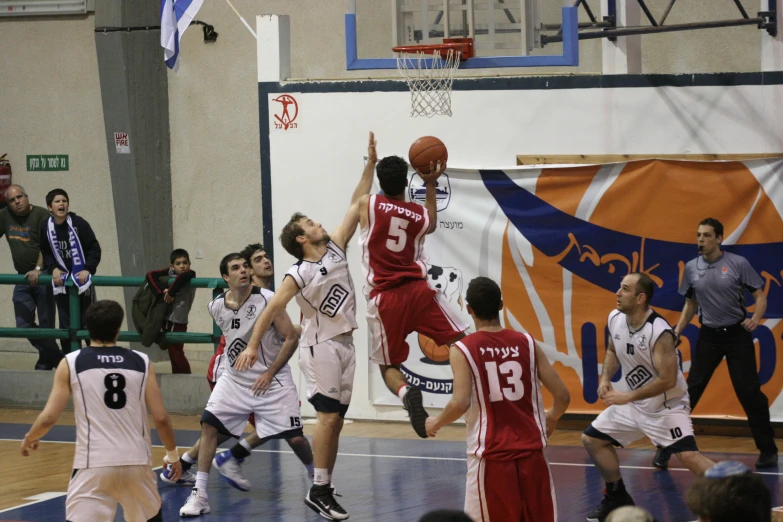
column 134, row 93
column 624, row 55
column 772, row 46
column 274, row 66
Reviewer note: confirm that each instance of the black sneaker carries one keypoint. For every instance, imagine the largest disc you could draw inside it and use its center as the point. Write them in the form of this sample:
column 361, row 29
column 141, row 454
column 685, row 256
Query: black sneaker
column 413, row 403
column 321, row 500
column 767, row 460
column 661, row 458
column 609, row 504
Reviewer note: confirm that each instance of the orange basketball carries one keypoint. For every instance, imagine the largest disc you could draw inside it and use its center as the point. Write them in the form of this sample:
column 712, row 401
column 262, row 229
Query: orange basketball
column 426, row 150
column 437, row 353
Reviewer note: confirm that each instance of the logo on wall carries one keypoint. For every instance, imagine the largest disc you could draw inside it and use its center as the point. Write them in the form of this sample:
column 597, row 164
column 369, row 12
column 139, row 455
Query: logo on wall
column 287, row 113
column 417, row 191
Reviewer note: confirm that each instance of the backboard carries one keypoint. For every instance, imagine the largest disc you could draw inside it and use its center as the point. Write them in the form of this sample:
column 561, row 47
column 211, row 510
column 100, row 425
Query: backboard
column 506, row 33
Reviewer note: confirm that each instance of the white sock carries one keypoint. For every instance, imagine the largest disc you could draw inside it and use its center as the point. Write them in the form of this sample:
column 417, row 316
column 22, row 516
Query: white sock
column 321, row 477
column 310, row 470
column 245, row 444
column 201, row 481
column 187, row 458
column 402, row 391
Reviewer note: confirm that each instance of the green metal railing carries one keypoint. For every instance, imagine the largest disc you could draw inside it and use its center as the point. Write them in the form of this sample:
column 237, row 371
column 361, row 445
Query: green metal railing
column 75, row 334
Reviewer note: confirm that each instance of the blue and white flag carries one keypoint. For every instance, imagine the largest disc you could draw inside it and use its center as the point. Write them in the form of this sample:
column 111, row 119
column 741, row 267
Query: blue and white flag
column 175, row 17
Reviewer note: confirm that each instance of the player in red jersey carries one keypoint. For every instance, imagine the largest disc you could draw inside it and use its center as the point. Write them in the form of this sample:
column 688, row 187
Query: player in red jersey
column 399, row 299
column 496, row 374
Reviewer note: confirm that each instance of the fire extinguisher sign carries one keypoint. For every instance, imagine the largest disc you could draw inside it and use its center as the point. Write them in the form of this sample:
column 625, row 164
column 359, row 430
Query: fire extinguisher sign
column 122, row 142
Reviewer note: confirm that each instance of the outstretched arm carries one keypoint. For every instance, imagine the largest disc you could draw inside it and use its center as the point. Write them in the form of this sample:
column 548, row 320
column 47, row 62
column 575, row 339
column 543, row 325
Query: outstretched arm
column 460, row 398
column 552, row 382
column 58, row 399
column 688, row 311
column 284, row 294
column 282, row 323
column 154, row 402
column 347, row 228
column 430, row 200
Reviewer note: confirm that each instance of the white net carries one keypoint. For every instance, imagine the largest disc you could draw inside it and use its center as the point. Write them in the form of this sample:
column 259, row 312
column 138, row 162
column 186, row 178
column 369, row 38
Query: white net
column 430, row 86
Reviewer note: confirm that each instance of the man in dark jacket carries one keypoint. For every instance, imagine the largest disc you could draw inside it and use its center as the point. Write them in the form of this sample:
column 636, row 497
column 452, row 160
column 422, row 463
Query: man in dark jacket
column 70, row 251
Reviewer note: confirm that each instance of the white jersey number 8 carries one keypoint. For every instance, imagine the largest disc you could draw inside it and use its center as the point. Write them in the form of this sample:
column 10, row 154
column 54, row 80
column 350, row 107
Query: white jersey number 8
column 512, row 371
column 397, row 230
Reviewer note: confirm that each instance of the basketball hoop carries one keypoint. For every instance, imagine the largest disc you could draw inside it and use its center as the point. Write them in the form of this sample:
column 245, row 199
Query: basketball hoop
column 429, row 71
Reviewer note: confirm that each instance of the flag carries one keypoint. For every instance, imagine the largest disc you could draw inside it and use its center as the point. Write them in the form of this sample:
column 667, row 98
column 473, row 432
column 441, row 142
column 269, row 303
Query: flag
column 175, row 17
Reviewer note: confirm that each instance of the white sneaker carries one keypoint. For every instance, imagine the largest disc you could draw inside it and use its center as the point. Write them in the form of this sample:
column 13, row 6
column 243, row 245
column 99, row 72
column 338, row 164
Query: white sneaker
column 230, row 468
column 197, row 504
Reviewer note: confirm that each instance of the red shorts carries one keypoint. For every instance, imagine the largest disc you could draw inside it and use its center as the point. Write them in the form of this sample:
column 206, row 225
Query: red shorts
column 413, row 307
column 503, row 490
column 212, row 370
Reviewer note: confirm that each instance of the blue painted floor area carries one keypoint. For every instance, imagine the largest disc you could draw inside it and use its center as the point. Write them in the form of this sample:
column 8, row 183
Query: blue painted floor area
column 396, row 480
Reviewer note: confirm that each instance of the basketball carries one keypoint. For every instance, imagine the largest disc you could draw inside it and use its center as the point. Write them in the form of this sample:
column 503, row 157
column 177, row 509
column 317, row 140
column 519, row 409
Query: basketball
column 434, row 352
column 426, row 150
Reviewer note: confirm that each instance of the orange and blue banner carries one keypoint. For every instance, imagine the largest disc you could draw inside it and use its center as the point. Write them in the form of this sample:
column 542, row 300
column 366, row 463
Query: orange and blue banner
column 560, row 239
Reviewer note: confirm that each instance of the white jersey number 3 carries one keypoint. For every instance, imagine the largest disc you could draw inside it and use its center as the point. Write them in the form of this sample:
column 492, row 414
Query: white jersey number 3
column 397, row 231
column 512, row 371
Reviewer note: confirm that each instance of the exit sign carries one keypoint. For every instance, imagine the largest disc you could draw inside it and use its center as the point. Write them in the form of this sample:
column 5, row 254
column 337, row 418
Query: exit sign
column 41, row 162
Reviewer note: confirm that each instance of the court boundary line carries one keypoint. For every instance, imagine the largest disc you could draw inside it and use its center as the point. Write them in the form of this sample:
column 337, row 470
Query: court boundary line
column 453, row 459
column 410, row 457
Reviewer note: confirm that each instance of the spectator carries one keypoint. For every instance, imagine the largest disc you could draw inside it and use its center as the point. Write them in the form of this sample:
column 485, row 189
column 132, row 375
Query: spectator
column 21, row 224
column 729, row 492
column 70, row 251
column 180, row 300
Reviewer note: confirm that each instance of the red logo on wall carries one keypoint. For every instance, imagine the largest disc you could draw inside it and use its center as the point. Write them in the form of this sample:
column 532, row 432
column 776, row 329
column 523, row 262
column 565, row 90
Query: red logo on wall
column 286, row 118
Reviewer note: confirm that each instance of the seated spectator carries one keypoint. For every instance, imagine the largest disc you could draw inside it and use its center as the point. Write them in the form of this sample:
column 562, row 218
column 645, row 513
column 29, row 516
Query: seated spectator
column 730, row 492
column 70, row 251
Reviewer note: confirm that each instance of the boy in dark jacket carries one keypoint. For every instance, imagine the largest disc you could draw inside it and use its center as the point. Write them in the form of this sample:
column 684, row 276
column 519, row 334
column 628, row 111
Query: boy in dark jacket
column 70, row 251
column 180, row 300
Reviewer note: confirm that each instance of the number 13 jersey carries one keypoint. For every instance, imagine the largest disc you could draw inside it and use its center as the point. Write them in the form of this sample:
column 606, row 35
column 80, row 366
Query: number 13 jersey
column 393, row 243
column 506, row 418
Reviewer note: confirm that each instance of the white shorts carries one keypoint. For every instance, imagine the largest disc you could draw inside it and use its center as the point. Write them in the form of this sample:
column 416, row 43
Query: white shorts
column 93, row 494
column 328, row 368
column 276, row 410
column 627, row 423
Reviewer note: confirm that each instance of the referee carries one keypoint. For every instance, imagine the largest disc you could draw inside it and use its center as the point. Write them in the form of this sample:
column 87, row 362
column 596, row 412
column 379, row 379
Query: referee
column 715, row 284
